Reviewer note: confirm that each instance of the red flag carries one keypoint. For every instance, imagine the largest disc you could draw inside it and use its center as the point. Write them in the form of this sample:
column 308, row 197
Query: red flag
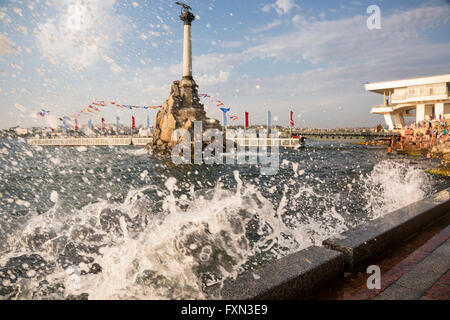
column 103, row 124
column 292, row 120
column 246, row 119
column 76, row 124
column 133, row 123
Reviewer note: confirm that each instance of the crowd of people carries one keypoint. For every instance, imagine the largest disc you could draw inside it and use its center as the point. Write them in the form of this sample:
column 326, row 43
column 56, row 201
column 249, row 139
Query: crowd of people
column 424, row 134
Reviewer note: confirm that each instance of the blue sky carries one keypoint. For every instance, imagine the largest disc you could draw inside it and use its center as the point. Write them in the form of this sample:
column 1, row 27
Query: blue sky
column 312, row 57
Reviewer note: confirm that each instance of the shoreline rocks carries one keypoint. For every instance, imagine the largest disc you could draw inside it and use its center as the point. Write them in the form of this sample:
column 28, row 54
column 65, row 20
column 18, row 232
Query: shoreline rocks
column 442, row 152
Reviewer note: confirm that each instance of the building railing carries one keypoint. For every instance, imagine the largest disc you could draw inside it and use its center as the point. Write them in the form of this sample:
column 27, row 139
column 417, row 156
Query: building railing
column 106, row 141
column 114, row 141
column 419, row 91
column 266, row 142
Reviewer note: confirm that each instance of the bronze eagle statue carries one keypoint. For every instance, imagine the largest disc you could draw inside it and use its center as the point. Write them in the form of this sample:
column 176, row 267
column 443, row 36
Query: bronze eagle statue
column 185, row 6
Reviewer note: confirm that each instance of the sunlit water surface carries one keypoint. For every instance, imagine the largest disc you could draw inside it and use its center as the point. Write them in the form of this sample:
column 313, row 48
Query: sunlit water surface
column 116, row 223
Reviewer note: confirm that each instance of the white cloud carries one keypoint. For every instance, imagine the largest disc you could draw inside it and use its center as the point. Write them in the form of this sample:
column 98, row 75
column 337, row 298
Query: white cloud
column 267, row 8
column 19, row 107
column 18, row 11
column 154, row 33
column 81, row 34
column 349, row 39
column 299, row 20
column 284, row 6
column 352, row 57
column 346, row 53
column 115, row 68
column 231, row 44
column 22, row 29
column 4, row 18
column 267, row 27
column 210, row 79
column 5, row 45
column 153, row 89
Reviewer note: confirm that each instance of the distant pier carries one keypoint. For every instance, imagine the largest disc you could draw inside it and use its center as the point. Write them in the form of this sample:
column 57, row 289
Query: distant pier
column 127, row 141
column 343, row 134
column 87, row 141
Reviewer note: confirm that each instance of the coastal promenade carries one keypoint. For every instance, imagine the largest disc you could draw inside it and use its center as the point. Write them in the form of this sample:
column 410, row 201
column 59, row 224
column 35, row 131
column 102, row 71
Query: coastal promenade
column 89, row 141
column 423, row 275
column 139, row 141
column 417, row 268
column 410, row 246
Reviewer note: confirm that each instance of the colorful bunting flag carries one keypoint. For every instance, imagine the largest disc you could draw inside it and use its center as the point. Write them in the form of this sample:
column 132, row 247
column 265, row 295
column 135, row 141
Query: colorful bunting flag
column 43, row 112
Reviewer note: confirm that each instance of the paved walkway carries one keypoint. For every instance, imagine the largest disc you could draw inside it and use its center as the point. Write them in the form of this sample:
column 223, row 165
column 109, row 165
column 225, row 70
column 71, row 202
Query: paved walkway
column 424, row 274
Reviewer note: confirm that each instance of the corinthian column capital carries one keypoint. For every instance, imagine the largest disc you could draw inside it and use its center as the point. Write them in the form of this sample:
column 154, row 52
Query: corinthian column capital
column 187, row 17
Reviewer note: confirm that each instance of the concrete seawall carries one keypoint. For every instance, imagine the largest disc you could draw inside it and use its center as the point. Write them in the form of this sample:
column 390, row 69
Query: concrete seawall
column 300, row 275
column 374, row 237
column 291, row 277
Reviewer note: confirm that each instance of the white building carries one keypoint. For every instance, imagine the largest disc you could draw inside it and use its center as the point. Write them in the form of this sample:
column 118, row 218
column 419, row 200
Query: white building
column 423, row 98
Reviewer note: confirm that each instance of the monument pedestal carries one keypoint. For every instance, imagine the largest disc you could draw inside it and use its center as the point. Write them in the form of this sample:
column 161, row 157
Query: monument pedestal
column 179, row 111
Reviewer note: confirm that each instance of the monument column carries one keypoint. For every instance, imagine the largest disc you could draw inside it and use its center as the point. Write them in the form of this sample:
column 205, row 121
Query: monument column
column 183, row 108
column 187, row 17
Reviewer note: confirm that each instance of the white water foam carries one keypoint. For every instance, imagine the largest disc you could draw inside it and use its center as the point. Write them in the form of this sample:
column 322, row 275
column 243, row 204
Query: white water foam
column 393, row 185
column 172, row 248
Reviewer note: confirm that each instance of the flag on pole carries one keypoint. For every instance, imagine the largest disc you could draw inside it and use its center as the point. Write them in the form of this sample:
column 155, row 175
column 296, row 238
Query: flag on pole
column 246, row 119
column 133, row 123
column 292, row 120
column 225, row 110
column 103, row 124
column 117, row 124
column 269, row 119
column 76, row 124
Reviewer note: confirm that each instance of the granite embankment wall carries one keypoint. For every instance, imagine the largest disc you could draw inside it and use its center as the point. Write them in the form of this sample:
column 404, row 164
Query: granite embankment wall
column 300, row 275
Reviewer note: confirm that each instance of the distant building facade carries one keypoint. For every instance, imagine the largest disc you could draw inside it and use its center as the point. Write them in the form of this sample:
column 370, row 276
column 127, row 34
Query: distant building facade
column 424, row 98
